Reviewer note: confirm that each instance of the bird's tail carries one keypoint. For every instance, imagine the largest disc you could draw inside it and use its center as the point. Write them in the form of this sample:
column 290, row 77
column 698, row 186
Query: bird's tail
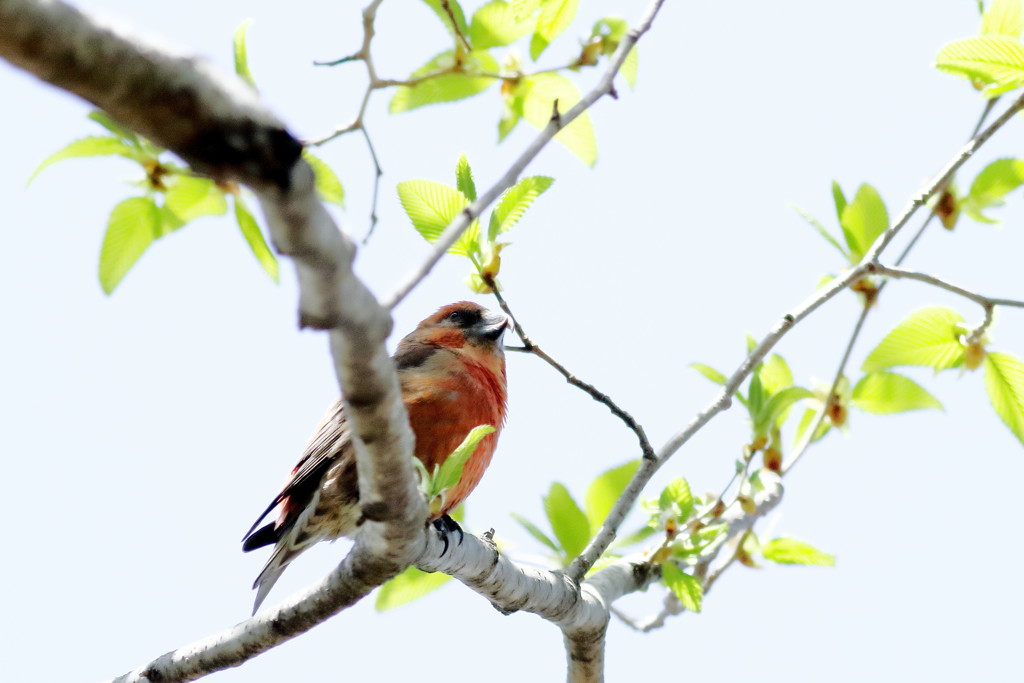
column 292, row 540
column 272, row 571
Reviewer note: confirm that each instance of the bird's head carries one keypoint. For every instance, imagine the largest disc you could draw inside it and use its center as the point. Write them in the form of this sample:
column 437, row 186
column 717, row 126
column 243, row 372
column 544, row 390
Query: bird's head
column 464, row 323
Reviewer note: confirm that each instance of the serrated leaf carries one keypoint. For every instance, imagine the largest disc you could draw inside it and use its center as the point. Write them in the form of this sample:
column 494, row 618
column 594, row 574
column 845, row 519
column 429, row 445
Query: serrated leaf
column 328, row 186
column 822, row 230
column 535, row 531
column 991, row 185
column 254, row 238
column 431, row 206
column 241, row 53
column 95, row 146
column 131, row 228
column 464, row 178
column 777, row 406
column 630, row 67
column 885, row 393
column 1004, row 382
column 686, row 588
column 792, row 551
column 457, row 13
column 501, row 23
column 412, row 584
column 1004, row 18
column 677, row 493
column 446, row 87
column 567, row 520
column 863, row 220
column 709, row 372
column 605, row 490
column 539, row 94
column 929, row 337
column 451, row 469
column 555, row 17
column 191, row 197
column 514, row 203
column 995, row 60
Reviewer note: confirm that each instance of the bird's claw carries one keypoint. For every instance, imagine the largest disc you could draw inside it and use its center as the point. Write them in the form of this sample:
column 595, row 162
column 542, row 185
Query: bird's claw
column 445, row 525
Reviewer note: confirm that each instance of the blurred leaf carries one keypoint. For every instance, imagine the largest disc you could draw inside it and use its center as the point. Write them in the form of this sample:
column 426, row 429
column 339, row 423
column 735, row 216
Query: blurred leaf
column 430, row 206
column 991, row 185
column 805, row 423
column 514, row 203
column 632, row 538
column 502, row 23
column 451, row 469
column 511, row 111
column 131, row 228
column 555, row 17
column 677, row 493
column 412, row 584
column 884, row 393
column 242, row 53
column 775, row 374
column 1004, row 18
column 864, row 219
column 685, row 587
column 792, row 551
column 605, row 490
column 536, row 532
column 709, row 372
column 995, row 60
column 254, row 238
column 464, row 178
column 446, row 87
column 460, row 16
column 776, row 406
column 839, row 199
column 101, row 117
column 191, row 197
column 929, row 337
column 567, row 520
column 328, row 186
column 816, row 224
column 1004, row 382
column 630, row 67
column 539, row 94
column 88, row 147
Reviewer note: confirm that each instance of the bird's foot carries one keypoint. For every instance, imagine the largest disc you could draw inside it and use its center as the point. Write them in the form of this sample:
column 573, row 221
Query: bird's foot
column 445, row 526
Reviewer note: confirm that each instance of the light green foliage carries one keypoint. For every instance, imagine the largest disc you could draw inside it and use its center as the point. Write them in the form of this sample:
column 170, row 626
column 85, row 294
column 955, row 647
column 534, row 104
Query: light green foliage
column 514, row 203
column 676, row 499
column 567, row 520
column 445, row 476
column 774, row 410
column 555, row 17
column 95, row 146
column 412, row 584
column 536, row 532
column 709, row 372
column 993, row 62
column 687, row 588
column 456, row 13
column 460, row 79
column 191, row 197
column 792, row 551
column 254, row 238
column 863, row 220
column 631, row 67
column 328, row 186
column 885, row 393
column 1004, row 18
column 131, row 228
column 539, row 93
column 605, row 490
column 822, row 230
column 464, row 182
column 431, row 206
column 241, row 53
column 502, row 22
column 929, row 337
column 1004, row 382
column 991, row 185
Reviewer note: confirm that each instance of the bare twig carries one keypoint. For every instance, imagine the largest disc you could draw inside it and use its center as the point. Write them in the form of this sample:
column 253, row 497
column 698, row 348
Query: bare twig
column 447, row 7
column 904, row 274
column 378, row 172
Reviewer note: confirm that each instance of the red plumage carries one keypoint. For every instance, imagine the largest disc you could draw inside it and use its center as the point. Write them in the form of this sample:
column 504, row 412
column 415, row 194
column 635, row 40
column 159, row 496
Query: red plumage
column 452, row 374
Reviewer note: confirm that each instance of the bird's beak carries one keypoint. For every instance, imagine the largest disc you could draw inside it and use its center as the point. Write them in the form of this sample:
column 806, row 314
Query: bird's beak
column 494, row 325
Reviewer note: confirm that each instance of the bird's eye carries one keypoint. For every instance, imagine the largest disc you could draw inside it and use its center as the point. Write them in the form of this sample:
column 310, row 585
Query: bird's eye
column 463, row 318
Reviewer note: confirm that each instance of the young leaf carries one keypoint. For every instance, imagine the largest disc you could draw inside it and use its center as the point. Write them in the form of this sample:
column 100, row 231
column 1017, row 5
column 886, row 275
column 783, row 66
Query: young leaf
column 514, row 203
column 605, row 490
column 863, row 220
column 430, row 206
column 929, row 337
column 464, row 178
column 822, row 230
column 536, row 532
column 254, row 238
column 1004, row 18
column 805, row 423
column 327, row 184
column 884, row 393
column 555, row 17
column 630, row 66
column 100, row 117
column 709, row 372
column 776, row 406
column 995, row 60
column 677, row 493
column 460, row 83
column 131, row 228
column 190, row 197
column 792, row 551
column 540, row 92
column 242, row 53
column 686, row 588
column 501, row 23
column 451, row 469
column 634, row 537
column 1004, row 382
column 775, row 374
column 88, row 147
column 839, row 199
column 567, row 520
column 457, row 13
column 992, row 183
column 412, row 584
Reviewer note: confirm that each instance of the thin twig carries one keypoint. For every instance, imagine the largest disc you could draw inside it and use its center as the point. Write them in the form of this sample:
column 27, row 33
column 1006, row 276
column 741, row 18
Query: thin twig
column 904, row 274
column 447, row 7
column 378, row 172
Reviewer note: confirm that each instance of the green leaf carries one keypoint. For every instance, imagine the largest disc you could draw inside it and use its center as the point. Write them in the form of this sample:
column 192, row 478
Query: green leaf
column 822, row 230
column 514, row 202
column 1004, row 18
column 992, row 183
column 412, row 584
column 540, row 92
column 131, row 228
column 863, row 220
column 996, row 61
column 464, row 178
column 327, row 184
column 501, row 23
column 805, row 423
column 776, row 406
column 511, row 111
column 190, row 197
column 431, row 206
column 555, row 17
column 457, row 13
column 1004, row 382
column 632, row 538
column 929, row 337
column 630, row 66
column 535, row 532
column 792, row 551
column 254, row 238
column 839, row 199
column 775, row 374
column 567, row 520
column 686, row 588
column 605, row 490
column 460, row 83
column 709, row 372
column 451, row 469
column 677, row 493
column 88, row 147
column 100, row 117
column 242, row 53
column 884, row 393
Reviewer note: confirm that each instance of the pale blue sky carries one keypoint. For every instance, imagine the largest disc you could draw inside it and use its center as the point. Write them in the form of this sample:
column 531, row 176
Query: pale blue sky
column 143, row 432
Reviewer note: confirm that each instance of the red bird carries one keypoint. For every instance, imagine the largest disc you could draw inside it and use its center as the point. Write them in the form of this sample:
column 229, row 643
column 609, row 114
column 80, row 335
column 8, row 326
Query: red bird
column 452, row 374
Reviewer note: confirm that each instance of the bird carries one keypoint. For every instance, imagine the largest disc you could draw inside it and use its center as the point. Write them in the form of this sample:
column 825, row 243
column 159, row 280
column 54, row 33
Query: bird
column 451, row 371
